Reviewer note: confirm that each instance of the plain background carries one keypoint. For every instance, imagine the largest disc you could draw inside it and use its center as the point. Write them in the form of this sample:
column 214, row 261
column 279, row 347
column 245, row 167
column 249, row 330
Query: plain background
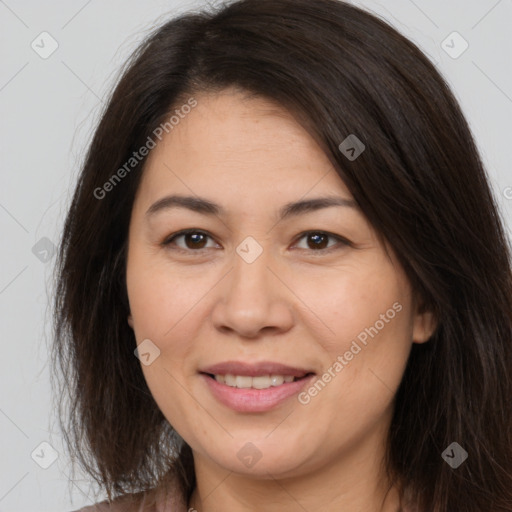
column 49, row 108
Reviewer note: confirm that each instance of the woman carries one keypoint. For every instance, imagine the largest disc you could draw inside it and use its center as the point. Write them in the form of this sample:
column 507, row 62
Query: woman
column 283, row 280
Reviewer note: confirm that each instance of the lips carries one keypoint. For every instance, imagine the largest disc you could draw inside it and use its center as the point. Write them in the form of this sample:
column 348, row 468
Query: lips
column 263, row 386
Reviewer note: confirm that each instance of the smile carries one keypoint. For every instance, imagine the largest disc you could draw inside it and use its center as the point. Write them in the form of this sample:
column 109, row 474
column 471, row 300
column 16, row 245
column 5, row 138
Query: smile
column 261, row 382
column 258, row 394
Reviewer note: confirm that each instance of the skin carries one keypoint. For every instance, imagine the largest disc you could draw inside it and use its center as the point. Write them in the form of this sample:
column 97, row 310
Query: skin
column 294, row 304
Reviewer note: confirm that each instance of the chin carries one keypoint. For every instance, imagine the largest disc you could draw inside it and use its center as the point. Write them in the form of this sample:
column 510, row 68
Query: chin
column 260, row 460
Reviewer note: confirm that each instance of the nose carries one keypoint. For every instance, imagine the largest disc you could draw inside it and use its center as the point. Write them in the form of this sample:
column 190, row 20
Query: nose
column 253, row 301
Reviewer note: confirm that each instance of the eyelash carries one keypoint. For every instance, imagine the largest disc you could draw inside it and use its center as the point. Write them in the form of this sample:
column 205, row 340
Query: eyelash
column 171, row 238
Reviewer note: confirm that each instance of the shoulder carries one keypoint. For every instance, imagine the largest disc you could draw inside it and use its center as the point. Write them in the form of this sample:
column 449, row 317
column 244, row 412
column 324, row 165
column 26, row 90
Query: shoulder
column 156, row 500
column 128, row 503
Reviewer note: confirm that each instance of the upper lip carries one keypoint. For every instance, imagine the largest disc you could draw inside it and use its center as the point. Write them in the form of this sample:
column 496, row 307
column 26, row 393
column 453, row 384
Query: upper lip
column 254, row 369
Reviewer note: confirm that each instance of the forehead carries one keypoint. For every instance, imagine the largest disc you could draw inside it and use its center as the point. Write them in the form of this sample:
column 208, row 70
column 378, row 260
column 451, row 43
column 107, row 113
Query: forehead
column 242, row 144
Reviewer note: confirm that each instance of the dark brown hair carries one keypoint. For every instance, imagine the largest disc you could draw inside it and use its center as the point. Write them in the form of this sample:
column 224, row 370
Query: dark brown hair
column 420, row 182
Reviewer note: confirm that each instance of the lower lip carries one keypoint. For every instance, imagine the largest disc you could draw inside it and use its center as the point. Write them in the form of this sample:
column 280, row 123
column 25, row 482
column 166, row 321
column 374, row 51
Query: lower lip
column 254, row 400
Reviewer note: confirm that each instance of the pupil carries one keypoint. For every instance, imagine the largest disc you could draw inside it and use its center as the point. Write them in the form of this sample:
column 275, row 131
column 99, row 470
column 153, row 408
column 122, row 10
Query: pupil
column 317, row 237
column 196, row 237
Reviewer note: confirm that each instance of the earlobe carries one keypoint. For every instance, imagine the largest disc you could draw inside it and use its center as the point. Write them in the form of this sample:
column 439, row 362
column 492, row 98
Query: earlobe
column 130, row 321
column 424, row 326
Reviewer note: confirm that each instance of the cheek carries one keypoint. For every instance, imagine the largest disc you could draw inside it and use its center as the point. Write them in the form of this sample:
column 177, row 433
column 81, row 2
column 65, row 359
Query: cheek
column 353, row 302
column 161, row 299
column 367, row 328
column 165, row 304
column 162, row 308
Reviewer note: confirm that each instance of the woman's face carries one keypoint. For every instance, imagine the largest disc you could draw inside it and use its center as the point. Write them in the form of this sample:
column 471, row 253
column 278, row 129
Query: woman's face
column 260, row 294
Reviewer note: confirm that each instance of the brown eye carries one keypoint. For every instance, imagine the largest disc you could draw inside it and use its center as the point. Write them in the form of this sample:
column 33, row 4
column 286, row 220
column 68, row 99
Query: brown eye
column 193, row 239
column 319, row 241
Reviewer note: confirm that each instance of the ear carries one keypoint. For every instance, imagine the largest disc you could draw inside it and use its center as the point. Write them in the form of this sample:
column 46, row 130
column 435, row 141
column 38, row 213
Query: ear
column 425, row 324
column 130, row 321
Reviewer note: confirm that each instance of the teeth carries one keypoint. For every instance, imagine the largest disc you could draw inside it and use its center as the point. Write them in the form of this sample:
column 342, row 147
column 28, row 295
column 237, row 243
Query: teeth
column 260, row 382
column 243, row 382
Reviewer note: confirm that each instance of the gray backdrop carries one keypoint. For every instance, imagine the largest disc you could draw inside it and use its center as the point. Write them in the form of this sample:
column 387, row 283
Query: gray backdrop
column 59, row 60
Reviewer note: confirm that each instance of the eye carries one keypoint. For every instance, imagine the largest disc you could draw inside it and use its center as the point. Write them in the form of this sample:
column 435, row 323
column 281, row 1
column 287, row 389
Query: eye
column 317, row 241
column 193, row 238
column 196, row 240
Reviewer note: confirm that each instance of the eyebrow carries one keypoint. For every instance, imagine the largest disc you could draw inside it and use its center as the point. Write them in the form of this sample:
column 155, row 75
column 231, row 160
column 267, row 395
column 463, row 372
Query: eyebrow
column 206, row 207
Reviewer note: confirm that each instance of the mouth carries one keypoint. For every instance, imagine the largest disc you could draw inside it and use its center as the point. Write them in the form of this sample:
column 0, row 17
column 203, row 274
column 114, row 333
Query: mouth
column 259, row 382
column 246, row 387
